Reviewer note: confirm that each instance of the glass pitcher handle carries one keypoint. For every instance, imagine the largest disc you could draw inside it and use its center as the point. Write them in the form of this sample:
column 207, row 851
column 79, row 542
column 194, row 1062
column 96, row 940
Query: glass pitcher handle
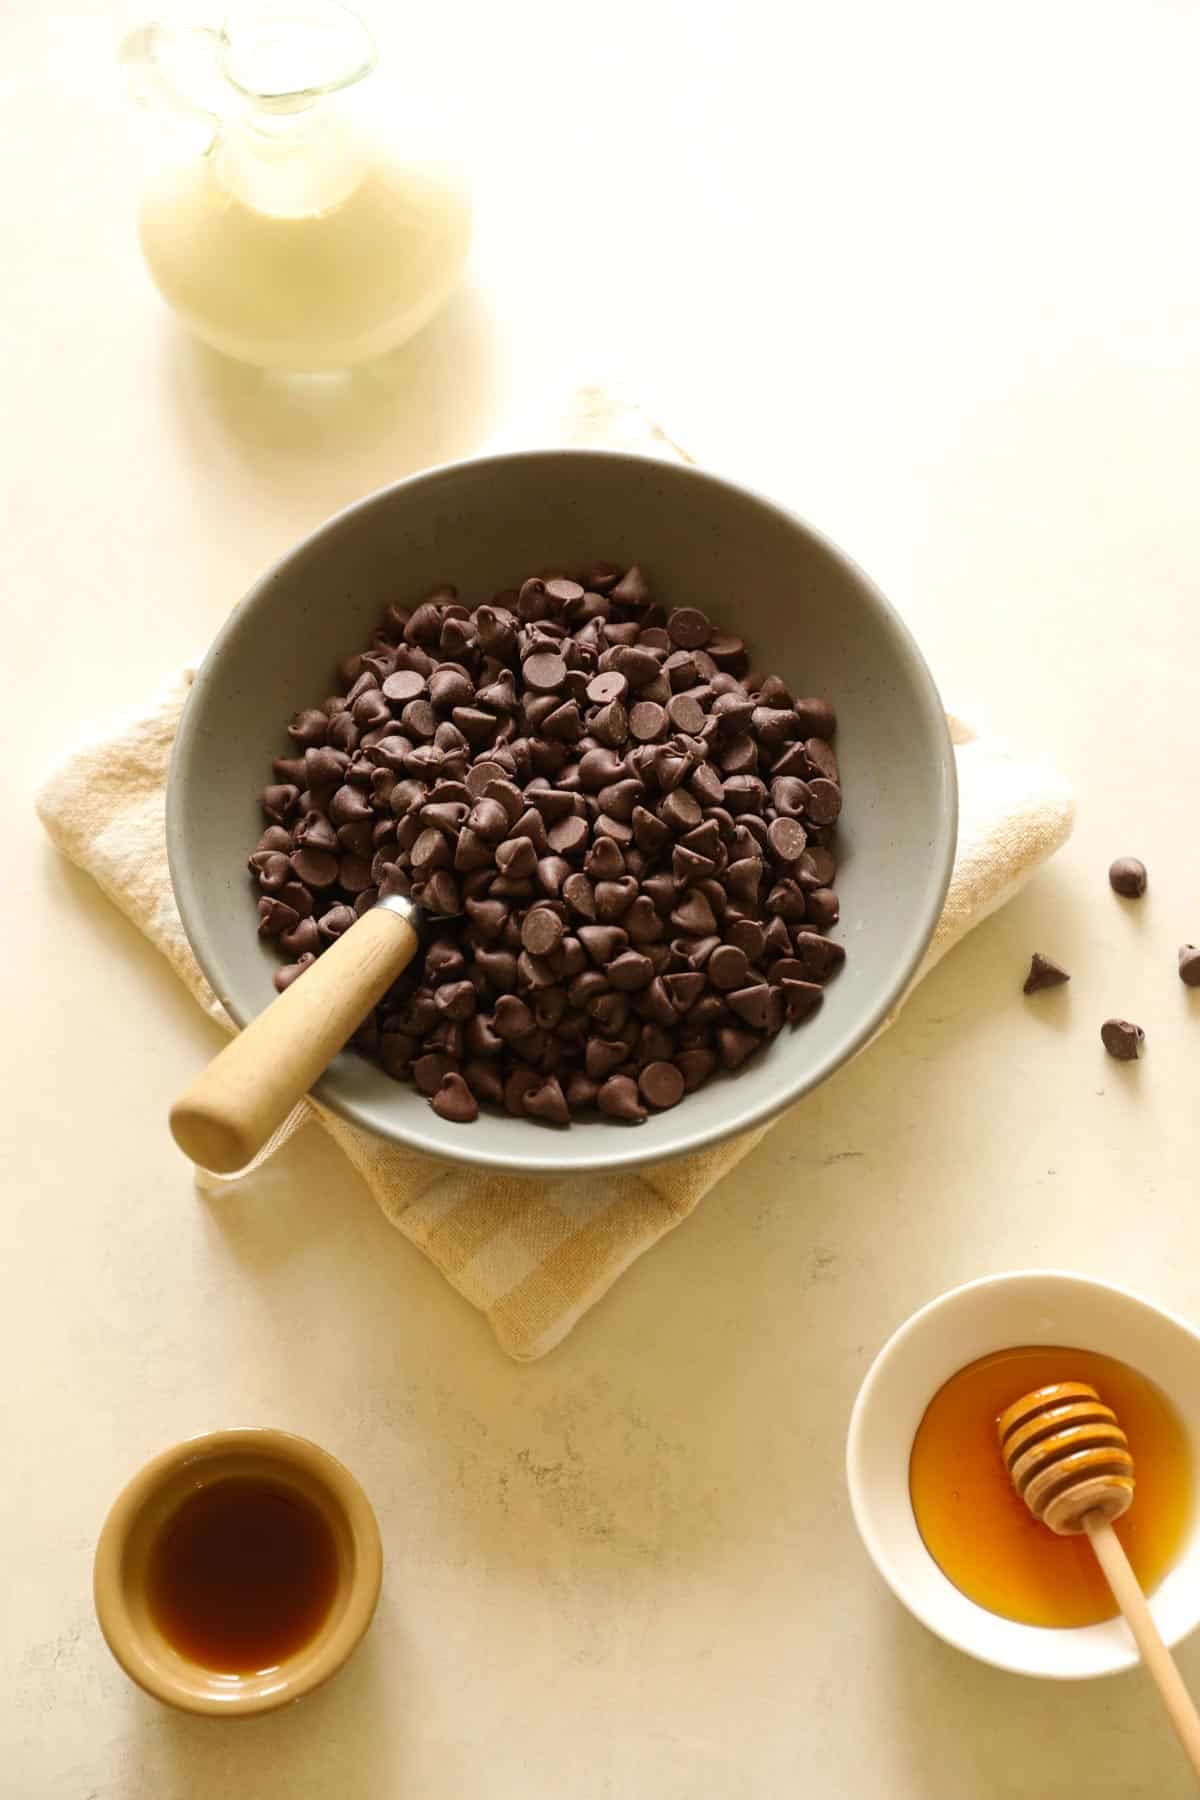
column 176, row 70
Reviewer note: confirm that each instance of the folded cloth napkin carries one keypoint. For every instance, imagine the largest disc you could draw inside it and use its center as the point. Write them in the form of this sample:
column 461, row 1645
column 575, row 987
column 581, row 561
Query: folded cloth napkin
column 533, row 1253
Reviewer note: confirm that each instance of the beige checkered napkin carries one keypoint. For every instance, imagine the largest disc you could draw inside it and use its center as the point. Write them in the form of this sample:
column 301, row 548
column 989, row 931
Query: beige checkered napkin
column 532, row 1253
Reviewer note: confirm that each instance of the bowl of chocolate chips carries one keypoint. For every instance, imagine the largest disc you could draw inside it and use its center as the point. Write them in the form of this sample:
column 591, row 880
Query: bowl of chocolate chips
column 666, row 777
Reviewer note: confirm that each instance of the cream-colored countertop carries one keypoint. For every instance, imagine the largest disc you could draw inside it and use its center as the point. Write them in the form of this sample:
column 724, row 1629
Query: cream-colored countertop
column 932, row 275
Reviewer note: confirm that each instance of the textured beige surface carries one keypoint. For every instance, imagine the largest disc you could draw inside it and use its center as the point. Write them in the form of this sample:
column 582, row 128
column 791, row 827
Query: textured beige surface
column 930, row 274
column 532, row 1254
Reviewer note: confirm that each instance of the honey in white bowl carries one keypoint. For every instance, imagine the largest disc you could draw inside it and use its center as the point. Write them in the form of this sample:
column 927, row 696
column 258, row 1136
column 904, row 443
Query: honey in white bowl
column 980, row 1532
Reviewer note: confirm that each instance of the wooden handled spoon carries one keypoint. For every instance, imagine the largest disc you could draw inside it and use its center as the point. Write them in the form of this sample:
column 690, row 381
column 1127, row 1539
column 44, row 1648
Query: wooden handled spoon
column 227, row 1114
column 1069, row 1461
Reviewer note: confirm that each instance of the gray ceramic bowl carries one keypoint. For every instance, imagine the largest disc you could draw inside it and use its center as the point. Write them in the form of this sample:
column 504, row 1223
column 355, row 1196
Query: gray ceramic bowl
column 806, row 612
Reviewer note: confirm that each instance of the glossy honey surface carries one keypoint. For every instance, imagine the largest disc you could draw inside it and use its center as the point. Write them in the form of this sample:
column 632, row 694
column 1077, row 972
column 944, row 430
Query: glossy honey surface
column 980, row 1532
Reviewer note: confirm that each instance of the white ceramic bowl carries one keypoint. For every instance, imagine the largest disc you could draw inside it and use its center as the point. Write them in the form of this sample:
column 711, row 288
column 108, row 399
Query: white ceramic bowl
column 805, row 611
column 998, row 1313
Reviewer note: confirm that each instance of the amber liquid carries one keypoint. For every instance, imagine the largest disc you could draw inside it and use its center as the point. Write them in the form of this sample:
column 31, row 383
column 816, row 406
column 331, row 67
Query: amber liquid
column 242, row 1575
column 983, row 1536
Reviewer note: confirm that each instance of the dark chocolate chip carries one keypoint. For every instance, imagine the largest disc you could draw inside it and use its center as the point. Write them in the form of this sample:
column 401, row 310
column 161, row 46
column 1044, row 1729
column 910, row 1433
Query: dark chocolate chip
column 1127, row 877
column 1189, row 965
column 787, row 839
column 728, row 967
column 661, row 1084
column 1043, row 974
column 619, row 1099
column 816, row 718
column 1123, row 1040
column 823, row 908
column 285, row 976
column 541, row 931
column 753, row 1004
column 454, row 1100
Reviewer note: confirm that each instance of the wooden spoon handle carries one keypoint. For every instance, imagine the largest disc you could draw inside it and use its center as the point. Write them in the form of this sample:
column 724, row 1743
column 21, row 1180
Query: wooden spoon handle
column 1154, row 1653
column 227, row 1114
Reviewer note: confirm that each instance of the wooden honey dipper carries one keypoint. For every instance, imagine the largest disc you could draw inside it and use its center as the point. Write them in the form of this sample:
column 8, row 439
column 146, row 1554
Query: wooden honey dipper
column 1069, row 1460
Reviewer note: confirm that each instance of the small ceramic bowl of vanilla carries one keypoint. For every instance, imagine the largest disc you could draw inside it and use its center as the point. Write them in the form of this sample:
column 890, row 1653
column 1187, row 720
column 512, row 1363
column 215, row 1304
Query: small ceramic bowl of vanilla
column 933, row 1501
column 237, row 1571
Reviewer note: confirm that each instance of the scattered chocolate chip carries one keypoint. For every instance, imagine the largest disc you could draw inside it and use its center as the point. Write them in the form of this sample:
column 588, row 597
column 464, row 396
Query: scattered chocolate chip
column 1189, row 965
column 1127, row 877
column 1122, row 1039
column 1043, row 974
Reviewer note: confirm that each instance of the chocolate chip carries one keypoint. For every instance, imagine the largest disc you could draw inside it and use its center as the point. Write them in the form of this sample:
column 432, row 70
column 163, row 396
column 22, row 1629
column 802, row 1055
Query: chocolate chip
column 787, row 839
column 753, row 1004
column 647, row 722
column 285, row 976
column 521, row 1081
column 1122, row 1039
column 684, row 989
column 661, row 1084
column 544, row 672
column 614, row 898
column 638, row 665
column 1043, row 974
column 430, row 1070
column 632, row 589
column 516, row 858
column 824, row 801
column 1189, row 965
column 279, row 801
column 542, row 931
column 816, row 718
column 1127, row 877
column 568, row 836
column 512, row 1018
column 455, row 1000
column 619, row 1099
column 728, row 967
column 823, row 908
column 630, row 971
column 816, row 868
column 694, row 914
column 547, row 1101
column 735, row 1045
column 821, row 758
column 602, row 942
column 685, row 714
column 681, row 811
column 611, row 685
column 272, row 868
column 818, row 956
column 800, row 997
column 403, row 686
column 316, row 868
column 454, row 1100
column 688, row 628
column 602, row 1056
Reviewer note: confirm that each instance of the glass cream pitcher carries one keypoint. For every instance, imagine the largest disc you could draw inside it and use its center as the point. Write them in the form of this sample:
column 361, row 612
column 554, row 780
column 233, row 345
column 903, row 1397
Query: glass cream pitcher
column 283, row 222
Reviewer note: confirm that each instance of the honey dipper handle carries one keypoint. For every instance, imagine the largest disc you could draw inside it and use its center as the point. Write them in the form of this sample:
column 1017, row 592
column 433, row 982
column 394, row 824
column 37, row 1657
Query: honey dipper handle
column 1154, row 1653
column 227, row 1114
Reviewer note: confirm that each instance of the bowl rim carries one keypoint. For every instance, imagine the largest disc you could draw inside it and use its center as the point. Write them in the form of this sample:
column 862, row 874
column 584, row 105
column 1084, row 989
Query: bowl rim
column 1124, row 1656
column 558, row 1158
column 208, row 1451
